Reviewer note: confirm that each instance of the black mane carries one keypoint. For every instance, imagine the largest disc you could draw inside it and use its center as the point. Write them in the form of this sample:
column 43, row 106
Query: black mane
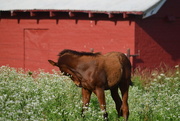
column 78, row 53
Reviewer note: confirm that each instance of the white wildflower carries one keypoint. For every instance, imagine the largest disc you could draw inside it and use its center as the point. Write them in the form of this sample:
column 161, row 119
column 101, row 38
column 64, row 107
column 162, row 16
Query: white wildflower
column 154, row 74
column 176, row 78
column 177, row 66
column 155, row 80
column 162, row 74
column 159, row 77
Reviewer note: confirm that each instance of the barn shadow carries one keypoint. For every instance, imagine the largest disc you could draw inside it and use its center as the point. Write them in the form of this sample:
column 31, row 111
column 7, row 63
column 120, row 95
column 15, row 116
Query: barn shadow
column 158, row 36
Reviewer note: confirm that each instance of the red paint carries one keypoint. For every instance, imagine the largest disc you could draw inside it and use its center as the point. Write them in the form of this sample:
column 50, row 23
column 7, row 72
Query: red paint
column 29, row 41
column 29, row 45
column 158, row 39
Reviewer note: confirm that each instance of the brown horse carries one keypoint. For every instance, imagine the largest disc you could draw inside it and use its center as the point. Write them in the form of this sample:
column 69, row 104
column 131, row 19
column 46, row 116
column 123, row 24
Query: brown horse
column 96, row 73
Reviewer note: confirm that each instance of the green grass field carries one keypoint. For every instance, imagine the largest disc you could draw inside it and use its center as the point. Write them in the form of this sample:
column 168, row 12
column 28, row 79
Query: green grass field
column 40, row 96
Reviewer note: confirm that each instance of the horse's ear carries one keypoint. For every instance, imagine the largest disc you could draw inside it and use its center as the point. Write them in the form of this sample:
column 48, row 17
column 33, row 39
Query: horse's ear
column 53, row 63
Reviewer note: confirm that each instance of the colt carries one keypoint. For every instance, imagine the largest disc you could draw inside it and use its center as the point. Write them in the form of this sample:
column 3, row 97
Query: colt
column 95, row 73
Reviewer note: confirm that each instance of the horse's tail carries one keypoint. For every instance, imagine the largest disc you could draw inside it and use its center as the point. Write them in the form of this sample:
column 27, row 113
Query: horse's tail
column 126, row 64
column 131, row 83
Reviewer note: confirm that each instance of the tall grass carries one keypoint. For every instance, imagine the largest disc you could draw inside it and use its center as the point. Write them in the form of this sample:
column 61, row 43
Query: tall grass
column 40, row 96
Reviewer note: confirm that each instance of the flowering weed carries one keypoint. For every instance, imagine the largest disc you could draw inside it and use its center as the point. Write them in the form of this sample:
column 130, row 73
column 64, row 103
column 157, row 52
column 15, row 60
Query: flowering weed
column 40, row 96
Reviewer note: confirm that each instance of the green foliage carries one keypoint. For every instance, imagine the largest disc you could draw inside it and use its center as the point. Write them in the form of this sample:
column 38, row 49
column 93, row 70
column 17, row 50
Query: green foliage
column 40, row 96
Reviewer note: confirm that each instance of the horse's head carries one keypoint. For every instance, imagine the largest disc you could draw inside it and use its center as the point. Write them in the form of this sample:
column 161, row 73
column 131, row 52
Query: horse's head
column 67, row 71
column 68, row 62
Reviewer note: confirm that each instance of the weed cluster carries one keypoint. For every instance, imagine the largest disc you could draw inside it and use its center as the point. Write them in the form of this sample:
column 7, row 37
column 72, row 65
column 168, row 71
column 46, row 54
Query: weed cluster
column 43, row 96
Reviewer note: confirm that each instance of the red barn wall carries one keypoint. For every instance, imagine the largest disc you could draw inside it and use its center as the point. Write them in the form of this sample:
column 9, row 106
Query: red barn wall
column 29, row 42
column 158, row 37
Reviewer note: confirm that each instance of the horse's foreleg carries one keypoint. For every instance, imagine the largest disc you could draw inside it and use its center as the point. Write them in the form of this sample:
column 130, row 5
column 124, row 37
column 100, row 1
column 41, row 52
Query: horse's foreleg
column 125, row 109
column 86, row 94
column 101, row 98
column 117, row 100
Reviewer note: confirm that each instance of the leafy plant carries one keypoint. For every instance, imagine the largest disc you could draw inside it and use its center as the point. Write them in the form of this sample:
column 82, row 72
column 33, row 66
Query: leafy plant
column 40, row 96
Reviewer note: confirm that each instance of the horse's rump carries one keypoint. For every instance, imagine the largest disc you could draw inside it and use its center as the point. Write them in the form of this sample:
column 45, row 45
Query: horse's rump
column 117, row 67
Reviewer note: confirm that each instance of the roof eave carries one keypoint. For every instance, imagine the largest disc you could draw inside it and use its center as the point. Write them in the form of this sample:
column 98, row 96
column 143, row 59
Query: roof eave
column 70, row 10
column 90, row 12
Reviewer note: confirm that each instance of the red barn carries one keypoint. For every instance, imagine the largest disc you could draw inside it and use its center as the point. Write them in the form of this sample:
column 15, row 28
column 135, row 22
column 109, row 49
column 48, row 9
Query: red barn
column 31, row 31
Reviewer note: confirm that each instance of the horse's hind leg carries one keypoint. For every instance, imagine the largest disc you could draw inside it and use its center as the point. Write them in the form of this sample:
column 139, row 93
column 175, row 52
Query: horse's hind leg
column 117, row 100
column 124, row 108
